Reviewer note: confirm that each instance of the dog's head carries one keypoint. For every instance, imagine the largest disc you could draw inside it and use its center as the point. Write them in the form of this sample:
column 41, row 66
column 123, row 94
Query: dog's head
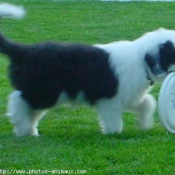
column 159, row 52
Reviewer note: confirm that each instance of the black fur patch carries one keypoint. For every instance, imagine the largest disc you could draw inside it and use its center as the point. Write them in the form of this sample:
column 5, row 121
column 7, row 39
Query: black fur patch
column 48, row 69
column 166, row 55
column 154, row 65
column 161, row 61
column 151, row 62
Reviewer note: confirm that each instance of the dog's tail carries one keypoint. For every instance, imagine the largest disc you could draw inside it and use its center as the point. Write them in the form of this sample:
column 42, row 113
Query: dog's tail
column 15, row 51
column 11, row 11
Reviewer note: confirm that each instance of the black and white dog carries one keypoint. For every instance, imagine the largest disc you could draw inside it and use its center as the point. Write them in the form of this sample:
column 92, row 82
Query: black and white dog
column 114, row 77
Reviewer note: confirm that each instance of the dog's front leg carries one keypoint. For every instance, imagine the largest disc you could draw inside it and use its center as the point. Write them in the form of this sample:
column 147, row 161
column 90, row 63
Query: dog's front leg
column 145, row 112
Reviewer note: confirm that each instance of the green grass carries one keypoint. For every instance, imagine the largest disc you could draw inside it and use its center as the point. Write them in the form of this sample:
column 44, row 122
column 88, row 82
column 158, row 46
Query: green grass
column 70, row 138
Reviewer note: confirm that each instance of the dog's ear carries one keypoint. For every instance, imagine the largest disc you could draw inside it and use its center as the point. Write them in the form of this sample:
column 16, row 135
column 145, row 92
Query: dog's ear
column 152, row 61
column 163, row 61
column 167, row 56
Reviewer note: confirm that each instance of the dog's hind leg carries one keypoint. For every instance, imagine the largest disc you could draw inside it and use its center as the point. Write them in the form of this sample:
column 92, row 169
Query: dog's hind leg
column 36, row 116
column 23, row 116
column 145, row 111
column 110, row 117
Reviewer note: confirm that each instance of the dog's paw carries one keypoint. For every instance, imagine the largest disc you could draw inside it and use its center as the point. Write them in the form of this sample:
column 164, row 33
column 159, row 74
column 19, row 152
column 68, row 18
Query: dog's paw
column 19, row 132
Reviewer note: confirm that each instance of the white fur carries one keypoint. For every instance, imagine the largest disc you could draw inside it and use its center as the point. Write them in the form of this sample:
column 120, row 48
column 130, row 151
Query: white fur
column 12, row 11
column 22, row 116
column 127, row 58
column 133, row 86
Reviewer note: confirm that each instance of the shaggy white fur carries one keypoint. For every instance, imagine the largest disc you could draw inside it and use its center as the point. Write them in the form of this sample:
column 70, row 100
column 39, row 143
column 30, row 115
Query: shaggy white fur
column 22, row 116
column 132, row 90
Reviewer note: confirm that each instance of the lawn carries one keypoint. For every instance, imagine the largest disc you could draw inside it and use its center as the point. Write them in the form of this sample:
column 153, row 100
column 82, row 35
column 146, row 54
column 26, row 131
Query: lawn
column 70, row 138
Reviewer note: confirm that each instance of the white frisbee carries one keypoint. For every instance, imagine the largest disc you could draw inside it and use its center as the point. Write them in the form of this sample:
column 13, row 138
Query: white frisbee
column 166, row 103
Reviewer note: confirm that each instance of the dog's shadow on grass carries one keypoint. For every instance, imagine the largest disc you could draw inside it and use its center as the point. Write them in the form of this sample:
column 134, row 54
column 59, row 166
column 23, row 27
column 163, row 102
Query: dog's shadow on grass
column 81, row 139
column 87, row 137
column 85, row 134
